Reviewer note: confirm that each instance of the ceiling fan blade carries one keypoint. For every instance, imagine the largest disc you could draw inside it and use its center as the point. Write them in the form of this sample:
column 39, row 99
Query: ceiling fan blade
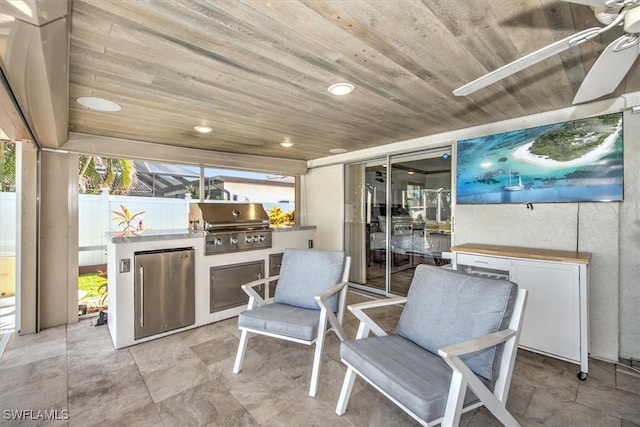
column 609, row 69
column 526, row 61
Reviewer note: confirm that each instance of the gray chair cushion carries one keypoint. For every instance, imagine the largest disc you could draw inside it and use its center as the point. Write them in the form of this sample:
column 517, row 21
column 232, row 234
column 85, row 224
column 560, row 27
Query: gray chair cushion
column 446, row 307
column 415, row 377
column 307, row 272
column 282, row 319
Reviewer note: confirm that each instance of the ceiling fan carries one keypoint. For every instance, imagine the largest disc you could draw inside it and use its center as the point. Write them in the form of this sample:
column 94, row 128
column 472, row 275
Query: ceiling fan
column 609, row 69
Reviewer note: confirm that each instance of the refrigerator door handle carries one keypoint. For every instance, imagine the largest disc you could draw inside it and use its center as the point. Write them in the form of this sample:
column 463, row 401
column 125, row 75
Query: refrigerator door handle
column 141, row 297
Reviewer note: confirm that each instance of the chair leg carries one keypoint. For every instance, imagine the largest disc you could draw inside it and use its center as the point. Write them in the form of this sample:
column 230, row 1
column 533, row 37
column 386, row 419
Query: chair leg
column 488, row 399
column 497, row 408
column 345, row 393
column 242, row 347
column 317, row 363
column 501, row 413
column 457, row 390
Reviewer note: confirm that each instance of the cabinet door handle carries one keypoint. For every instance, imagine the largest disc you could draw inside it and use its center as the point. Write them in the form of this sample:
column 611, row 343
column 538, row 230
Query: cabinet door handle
column 481, row 262
column 142, row 297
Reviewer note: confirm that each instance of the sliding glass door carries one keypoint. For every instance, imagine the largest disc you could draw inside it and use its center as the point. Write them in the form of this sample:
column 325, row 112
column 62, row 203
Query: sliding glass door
column 365, row 233
column 398, row 213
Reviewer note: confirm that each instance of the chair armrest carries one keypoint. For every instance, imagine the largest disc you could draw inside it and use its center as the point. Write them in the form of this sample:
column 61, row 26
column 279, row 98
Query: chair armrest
column 326, row 313
column 366, row 323
column 257, row 282
column 476, row 344
column 254, row 297
column 463, row 377
column 321, row 297
column 377, row 303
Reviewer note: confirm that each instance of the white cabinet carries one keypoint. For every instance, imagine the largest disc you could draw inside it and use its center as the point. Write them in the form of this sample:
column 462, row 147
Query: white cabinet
column 552, row 317
column 556, row 315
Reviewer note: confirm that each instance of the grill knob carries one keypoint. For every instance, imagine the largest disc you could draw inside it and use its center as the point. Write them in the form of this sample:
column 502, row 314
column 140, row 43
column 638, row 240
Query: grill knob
column 256, row 238
column 218, row 242
column 248, row 239
column 234, row 240
column 262, row 238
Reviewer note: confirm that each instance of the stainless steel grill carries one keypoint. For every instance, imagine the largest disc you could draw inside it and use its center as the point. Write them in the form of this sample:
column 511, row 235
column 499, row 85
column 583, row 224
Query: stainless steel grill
column 231, row 227
column 401, row 225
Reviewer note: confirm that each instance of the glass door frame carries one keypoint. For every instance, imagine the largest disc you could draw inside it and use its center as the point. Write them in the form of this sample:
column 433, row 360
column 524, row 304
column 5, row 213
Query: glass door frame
column 360, row 201
column 445, row 152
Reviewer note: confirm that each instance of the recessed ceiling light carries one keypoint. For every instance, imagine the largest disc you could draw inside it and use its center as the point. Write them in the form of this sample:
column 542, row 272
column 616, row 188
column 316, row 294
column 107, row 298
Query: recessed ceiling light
column 410, row 172
column 338, row 150
column 98, row 104
column 286, row 144
column 340, row 89
column 203, row 129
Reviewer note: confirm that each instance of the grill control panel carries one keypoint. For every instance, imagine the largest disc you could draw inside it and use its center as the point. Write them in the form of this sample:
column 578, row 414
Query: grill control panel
column 224, row 242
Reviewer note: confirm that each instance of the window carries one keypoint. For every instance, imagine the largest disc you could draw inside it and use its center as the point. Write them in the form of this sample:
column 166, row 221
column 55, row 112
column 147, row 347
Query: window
column 159, row 194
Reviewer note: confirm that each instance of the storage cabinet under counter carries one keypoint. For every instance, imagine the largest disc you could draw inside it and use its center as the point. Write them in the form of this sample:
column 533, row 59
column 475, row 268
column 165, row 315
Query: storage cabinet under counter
column 556, row 320
column 226, row 284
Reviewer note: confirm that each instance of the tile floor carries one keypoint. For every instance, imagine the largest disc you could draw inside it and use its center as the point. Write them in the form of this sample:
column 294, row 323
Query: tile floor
column 185, row 379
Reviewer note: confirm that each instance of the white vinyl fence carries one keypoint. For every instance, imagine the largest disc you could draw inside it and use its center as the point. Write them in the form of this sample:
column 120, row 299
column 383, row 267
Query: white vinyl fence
column 95, row 219
column 7, row 224
column 95, row 214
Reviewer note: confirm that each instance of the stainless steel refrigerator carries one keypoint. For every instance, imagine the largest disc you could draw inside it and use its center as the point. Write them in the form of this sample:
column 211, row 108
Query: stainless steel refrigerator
column 164, row 294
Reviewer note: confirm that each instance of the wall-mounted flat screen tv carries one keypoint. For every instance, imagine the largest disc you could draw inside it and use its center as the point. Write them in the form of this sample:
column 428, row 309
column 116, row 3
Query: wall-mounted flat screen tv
column 575, row 161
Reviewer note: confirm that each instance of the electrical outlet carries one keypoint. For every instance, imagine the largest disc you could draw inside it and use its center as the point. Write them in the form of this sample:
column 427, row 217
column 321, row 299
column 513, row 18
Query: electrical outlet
column 125, row 265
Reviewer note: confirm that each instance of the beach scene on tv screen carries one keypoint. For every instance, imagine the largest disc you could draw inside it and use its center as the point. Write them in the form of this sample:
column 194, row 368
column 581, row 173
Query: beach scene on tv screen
column 575, row 161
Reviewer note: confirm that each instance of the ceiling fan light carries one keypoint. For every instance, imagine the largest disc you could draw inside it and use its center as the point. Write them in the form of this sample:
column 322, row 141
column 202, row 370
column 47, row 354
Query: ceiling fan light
column 341, row 89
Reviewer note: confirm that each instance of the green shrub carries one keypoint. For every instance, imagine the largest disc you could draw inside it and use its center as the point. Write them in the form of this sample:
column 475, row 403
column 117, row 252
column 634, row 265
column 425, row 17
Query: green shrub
column 91, row 283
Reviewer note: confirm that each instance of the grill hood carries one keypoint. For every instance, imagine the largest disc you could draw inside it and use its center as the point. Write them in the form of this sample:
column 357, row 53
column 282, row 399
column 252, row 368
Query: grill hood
column 215, row 216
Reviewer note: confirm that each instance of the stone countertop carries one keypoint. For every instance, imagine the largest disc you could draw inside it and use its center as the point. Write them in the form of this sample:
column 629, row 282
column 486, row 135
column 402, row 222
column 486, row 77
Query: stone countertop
column 292, row 228
column 154, row 235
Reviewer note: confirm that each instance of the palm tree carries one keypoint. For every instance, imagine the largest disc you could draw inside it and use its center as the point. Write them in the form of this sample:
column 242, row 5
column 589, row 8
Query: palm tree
column 98, row 173
column 7, row 166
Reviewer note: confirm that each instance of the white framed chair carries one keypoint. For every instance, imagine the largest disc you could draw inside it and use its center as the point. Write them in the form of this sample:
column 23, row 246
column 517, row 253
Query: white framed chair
column 454, row 351
column 309, row 300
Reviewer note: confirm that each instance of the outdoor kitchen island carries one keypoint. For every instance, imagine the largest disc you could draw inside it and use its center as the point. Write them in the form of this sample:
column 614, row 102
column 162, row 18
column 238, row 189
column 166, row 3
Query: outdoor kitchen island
column 127, row 307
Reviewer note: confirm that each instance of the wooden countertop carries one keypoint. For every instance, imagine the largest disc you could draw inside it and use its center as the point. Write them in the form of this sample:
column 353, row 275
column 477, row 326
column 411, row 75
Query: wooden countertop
column 520, row 252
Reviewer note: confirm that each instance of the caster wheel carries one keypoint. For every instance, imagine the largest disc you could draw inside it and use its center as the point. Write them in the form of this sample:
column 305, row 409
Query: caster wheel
column 582, row 376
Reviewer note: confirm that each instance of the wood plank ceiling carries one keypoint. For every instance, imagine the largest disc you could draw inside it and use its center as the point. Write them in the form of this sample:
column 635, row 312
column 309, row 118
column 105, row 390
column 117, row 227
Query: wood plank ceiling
column 257, row 71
